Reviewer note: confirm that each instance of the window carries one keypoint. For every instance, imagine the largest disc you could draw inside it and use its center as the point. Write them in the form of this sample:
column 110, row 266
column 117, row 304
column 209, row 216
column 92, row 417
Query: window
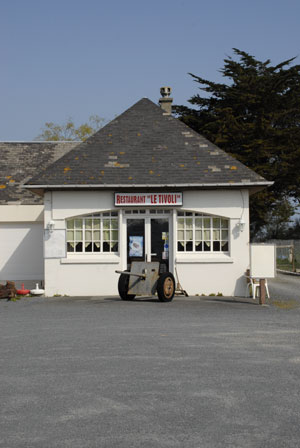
column 202, row 233
column 93, row 234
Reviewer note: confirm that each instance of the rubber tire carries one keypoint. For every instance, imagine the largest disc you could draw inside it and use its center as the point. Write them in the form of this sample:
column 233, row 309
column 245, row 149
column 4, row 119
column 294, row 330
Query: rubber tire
column 163, row 278
column 123, row 287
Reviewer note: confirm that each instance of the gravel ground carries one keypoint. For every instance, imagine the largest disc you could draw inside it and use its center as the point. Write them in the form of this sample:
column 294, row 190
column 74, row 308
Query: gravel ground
column 285, row 290
column 99, row 372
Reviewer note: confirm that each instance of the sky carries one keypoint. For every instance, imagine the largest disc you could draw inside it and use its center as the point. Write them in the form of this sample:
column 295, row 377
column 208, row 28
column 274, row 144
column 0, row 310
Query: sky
column 76, row 58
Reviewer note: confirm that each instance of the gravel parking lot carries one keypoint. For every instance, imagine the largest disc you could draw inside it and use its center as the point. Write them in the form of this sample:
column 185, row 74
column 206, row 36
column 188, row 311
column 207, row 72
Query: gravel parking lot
column 285, row 289
column 99, row 372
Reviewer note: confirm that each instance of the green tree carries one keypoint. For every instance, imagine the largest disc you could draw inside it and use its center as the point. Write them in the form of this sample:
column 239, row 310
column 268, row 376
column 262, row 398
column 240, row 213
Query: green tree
column 293, row 231
column 255, row 117
column 68, row 131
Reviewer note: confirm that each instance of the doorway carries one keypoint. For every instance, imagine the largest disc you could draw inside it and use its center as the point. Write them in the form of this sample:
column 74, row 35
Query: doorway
column 148, row 239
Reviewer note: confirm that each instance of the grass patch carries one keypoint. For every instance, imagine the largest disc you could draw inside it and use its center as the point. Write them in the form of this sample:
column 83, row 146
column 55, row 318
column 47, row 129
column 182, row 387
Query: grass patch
column 286, row 305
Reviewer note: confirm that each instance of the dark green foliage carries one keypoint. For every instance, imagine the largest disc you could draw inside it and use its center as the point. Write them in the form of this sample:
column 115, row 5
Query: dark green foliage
column 256, row 119
column 293, row 231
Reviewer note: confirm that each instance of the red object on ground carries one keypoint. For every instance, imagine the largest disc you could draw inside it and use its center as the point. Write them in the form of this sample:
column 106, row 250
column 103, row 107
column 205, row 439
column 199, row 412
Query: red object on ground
column 23, row 291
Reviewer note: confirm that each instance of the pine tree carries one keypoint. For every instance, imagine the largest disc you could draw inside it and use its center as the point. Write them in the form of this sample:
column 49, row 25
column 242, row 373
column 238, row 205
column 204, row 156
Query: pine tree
column 255, row 117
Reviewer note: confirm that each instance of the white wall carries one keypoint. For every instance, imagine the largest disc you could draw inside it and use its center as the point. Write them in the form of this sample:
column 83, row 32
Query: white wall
column 217, row 273
column 198, row 273
column 21, row 255
column 21, row 242
column 21, row 213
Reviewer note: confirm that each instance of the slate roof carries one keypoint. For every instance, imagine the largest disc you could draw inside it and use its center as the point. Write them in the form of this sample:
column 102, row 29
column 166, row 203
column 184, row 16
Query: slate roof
column 144, row 147
column 19, row 161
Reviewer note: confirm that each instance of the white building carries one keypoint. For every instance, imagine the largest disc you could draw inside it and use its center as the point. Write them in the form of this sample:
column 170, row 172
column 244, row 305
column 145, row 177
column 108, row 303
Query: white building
column 144, row 180
column 22, row 212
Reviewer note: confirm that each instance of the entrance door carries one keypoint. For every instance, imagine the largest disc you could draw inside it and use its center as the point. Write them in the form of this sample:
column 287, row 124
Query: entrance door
column 160, row 241
column 148, row 240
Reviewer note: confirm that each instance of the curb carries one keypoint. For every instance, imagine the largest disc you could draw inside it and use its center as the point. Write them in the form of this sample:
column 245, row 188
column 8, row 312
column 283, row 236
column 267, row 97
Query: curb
column 297, row 274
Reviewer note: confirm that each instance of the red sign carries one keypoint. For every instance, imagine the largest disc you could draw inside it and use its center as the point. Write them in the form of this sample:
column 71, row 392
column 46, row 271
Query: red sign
column 148, row 199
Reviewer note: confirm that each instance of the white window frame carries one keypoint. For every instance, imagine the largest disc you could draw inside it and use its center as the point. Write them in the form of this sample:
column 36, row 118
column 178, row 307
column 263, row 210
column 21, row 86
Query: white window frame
column 194, row 215
column 110, row 214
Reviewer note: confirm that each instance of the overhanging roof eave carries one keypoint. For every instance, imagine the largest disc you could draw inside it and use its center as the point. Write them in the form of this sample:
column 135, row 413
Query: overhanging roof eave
column 136, row 186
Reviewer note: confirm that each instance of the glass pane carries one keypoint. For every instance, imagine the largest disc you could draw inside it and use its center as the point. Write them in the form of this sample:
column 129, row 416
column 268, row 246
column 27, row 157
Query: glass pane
column 198, row 234
column 216, row 223
column 180, row 234
column 88, row 223
column 106, row 223
column 88, row 247
column 78, row 223
column 216, row 245
column 188, row 214
column 198, row 246
column 216, row 234
column 189, row 235
column 78, row 235
column 206, row 234
column 135, row 212
column 96, row 224
column 88, row 235
column 189, row 246
column 153, row 212
column 189, row 223
column 207, row 246
column 96, row 247
column 224, row 223
column 78, row 247
column 224, row 234
column 106, row 247
column 106, row 235
column 70, row 223
column 180, row 223
column 70, row 235
column 180, row 213
column 106, row 214
column 224, row 246
column 135, row 239
column 142, row 211
column 206, row 223
column 114, row 235
column 180, row 246
column 96, row 235
column 160, row 240
column 70, row 247
column 198, row 223
column 114, row 214
column 114, row 223
column 115, row 247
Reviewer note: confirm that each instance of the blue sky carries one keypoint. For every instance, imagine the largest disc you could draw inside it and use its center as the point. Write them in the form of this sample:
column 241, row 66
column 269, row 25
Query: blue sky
column 75, row 58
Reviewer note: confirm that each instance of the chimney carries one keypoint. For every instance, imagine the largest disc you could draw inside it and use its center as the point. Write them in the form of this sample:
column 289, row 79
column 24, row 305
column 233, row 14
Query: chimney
column 166, row 101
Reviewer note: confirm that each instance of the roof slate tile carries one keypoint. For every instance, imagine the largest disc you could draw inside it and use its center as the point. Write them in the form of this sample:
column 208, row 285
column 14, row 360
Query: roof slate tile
column 19, row 160
column 144, row 146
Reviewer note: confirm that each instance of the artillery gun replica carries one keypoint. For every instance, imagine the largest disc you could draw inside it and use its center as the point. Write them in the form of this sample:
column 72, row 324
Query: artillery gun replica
column 145, row 279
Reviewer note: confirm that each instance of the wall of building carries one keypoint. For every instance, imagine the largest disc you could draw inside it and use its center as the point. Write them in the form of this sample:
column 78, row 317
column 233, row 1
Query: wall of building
column 21, row 242
column 85, row 275
column 213, row 273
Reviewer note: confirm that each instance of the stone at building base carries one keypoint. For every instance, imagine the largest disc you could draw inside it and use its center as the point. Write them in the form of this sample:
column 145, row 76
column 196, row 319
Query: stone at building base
column 8, row 291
